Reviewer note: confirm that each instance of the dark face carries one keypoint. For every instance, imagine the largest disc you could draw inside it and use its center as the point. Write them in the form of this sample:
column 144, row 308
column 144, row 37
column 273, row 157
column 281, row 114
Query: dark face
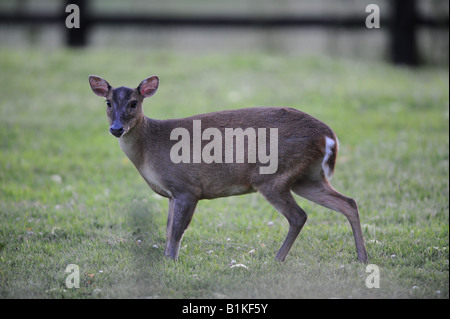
column 124, row 107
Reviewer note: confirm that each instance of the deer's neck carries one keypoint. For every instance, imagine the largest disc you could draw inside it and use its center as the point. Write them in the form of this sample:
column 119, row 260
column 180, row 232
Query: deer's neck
column 134, row 142
column 138, row 144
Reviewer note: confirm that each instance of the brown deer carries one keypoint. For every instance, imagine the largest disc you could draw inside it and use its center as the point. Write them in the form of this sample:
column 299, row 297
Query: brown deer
column 305, row 150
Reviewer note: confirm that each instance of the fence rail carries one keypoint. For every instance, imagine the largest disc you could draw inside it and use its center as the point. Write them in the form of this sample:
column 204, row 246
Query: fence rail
column 402, row 25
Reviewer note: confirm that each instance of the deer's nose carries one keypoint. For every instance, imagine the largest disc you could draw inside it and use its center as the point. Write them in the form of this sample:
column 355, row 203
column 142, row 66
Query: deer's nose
column 116, row 130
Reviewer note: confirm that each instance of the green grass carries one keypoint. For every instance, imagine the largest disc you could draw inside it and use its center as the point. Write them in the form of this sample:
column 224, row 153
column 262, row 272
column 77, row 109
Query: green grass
column 68, row 195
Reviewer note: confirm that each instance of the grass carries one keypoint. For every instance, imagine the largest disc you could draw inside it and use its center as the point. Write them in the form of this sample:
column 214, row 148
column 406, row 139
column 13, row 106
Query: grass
column 68, row 195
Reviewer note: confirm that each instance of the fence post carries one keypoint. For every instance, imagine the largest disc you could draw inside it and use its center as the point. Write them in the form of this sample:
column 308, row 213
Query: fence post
column 403, row 32
column 77, row 37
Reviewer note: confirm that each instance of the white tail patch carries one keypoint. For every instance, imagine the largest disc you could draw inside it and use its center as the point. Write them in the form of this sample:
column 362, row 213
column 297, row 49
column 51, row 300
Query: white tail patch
column 329, row 145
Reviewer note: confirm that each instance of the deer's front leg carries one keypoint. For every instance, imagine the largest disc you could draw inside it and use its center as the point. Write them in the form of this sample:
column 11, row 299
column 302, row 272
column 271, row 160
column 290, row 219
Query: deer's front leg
column 181, row 210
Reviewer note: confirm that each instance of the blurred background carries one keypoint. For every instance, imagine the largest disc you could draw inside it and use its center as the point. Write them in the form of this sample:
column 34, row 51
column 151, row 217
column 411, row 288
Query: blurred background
column 413, row 32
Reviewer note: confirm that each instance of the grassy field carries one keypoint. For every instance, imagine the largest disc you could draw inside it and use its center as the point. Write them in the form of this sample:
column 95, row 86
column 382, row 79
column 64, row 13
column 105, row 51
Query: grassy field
column 68, row 195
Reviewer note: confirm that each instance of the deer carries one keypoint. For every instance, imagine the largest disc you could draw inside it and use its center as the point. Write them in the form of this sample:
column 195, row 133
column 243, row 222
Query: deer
column 307, row 152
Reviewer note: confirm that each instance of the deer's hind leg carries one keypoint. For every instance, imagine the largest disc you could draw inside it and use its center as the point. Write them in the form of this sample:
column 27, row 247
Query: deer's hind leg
column 322, row 193
column 283, row 201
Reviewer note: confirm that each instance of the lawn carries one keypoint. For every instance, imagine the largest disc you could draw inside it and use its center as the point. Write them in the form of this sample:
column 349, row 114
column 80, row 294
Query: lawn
column 68, row 195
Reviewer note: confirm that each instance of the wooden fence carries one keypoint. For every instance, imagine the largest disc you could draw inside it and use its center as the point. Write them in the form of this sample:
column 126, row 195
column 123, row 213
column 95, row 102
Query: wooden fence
column 402, row 24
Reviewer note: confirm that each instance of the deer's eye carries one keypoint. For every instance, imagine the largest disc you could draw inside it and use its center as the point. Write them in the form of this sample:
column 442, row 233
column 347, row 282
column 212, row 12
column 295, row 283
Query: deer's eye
column 133, row 104
column 108, row 103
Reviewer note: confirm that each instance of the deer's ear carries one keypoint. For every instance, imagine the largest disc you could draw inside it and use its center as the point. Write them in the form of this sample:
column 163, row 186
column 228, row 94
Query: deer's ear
column 148, row 86
column 99, row 86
